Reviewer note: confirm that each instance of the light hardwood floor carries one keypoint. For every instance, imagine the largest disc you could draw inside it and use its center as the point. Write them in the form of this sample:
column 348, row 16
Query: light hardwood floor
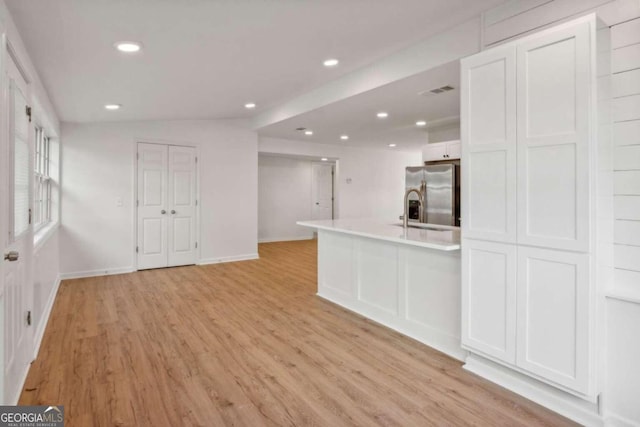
column 247, row 344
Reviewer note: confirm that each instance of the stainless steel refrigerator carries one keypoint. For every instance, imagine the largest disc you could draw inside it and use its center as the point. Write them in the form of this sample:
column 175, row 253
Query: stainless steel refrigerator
column 439, row 185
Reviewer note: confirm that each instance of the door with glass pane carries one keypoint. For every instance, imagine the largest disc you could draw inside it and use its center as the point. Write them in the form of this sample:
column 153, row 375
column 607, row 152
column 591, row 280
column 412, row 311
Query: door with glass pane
column 17, row 290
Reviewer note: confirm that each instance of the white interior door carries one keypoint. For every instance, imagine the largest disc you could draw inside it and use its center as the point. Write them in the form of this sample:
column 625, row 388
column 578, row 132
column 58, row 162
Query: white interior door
column 181, row 233
column 166, row 206
column 152, row 206
column 17, row 293
column 322, row 191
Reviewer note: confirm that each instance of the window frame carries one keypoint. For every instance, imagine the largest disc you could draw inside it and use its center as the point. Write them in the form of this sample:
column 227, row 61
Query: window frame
column 42, row 180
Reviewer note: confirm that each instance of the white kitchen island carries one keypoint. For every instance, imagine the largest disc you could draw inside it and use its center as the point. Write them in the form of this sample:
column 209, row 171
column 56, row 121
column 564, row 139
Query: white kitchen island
column 406, row 279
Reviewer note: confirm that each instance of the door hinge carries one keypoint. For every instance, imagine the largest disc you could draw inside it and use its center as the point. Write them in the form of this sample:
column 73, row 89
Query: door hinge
column 29, row 215
column 137, row 155
column 196, row 202
column 137, row 202
column 28, row 112
column 196, row 245
column 29, row 318
column 136, row 249
column 196, row 159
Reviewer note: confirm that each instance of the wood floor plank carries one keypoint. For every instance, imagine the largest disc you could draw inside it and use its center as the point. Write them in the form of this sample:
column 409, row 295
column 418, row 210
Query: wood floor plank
column 248, row 344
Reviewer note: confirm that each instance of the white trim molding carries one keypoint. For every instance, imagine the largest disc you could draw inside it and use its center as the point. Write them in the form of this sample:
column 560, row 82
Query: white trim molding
column 44, row 320
column 234, row 258
column 94, row 273
column 612, row 420
column 286, row 239
column 572, row 407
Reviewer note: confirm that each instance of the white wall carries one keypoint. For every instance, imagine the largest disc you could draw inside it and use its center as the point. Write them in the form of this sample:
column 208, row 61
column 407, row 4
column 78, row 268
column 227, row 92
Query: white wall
column 46, row 278
column 623, row 306
column 621, row 393
column 446, row 133
column 284, row 197
column 98, row 163
column 369, row 182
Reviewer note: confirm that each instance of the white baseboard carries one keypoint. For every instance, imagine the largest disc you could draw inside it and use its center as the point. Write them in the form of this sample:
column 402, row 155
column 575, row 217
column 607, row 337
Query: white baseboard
column 565, row 404
column 94, row 273
column 434, row 338
column 13, row 400
column 612, row 420
column 285, row 239
column 39, row 334
column 247, row 257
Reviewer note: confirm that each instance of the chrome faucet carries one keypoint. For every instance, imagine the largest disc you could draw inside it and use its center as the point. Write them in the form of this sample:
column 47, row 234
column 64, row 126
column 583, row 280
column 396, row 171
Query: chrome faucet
column 405, row 217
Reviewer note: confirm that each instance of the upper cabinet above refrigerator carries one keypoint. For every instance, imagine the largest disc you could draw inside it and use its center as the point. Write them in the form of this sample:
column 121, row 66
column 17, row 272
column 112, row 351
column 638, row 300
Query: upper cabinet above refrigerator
column 449, row 150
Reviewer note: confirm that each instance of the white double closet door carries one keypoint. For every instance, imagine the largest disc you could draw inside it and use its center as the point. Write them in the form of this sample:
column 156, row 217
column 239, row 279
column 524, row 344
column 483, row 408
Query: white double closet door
column 167, row 201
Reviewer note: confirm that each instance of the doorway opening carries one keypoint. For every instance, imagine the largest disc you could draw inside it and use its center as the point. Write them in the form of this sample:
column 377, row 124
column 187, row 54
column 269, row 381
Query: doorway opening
column 294, row 188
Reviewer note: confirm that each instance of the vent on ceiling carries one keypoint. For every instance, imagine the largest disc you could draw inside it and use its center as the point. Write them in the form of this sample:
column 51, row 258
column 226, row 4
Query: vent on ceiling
column 437, row 90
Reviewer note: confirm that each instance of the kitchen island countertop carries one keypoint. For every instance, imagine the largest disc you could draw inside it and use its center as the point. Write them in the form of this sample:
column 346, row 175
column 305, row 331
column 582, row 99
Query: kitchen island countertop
column 444, row 238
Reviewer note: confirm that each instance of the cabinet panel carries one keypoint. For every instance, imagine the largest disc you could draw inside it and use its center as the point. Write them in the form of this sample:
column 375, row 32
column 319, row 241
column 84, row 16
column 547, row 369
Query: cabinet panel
column 489, row 298
column 377, row 275
column 488, row 209
column 437, row 151
column 335, row 261
column 453, row 150
column 553, row 320
column 551, row 186
column 489, row 145
column 554, row 85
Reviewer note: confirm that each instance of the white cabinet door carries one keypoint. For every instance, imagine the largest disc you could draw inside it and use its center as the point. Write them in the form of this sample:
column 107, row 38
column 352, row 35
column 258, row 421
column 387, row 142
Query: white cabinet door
column 553, row 316
column 453, row 150
column 152, row 206
column 554, row 87
column 489, row 298
column 488, row 129
column 437, row 151
column 181, row 230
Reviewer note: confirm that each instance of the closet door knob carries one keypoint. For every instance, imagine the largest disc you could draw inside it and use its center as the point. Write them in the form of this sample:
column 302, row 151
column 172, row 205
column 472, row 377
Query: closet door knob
column 163, row 212
column 172, row 211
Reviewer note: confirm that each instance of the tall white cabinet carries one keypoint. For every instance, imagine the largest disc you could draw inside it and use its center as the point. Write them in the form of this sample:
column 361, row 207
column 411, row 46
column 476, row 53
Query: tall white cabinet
column 536, row 203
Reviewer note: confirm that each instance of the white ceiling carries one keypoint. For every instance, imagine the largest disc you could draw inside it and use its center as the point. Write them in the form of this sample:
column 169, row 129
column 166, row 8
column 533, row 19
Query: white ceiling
column 206, row 58
column 356, row 116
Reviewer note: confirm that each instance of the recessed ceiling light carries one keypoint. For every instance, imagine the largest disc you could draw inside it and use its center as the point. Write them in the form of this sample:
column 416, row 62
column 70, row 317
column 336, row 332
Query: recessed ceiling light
column 308, row 132
column 421, row 123
column 324, row 159
column 330, row 62
column 344, row 137
column 392, row 145
column 128, row 47
column 112, row 106
column 382, row 115
column 249, row 105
